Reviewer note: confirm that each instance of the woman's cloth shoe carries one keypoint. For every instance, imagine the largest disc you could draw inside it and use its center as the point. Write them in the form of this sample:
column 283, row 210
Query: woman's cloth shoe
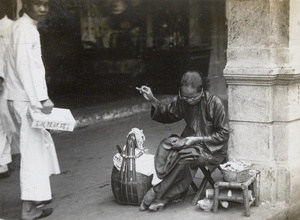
column 143, row 206
column 156, row 206
column 149, row 197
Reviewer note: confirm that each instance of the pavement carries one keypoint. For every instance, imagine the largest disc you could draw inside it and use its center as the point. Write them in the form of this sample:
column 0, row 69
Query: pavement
column 83, row 190
column 113, row 110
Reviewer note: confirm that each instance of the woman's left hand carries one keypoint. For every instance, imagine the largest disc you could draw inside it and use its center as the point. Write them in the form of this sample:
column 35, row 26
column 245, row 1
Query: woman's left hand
column 190, row 140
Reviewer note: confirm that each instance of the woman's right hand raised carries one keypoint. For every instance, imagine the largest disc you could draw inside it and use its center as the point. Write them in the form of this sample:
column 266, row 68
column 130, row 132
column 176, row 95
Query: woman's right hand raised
column 146, row 92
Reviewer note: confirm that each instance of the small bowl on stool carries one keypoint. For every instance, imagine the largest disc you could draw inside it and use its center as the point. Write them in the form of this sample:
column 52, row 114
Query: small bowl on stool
column 205, row 204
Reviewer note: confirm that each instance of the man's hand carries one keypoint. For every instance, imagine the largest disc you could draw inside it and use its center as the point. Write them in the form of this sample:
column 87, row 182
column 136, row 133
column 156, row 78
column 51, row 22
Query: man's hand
column 47, row 106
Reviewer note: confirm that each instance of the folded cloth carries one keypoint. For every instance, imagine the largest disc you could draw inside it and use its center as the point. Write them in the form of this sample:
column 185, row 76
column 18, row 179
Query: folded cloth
column 173, row 150
column 139, row 137
column 145, row 165
column 166, row 158
column 173, row 142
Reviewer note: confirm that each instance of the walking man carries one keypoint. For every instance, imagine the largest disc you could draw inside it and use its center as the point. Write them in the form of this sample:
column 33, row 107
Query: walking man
column 7, row 129
column 25, row 88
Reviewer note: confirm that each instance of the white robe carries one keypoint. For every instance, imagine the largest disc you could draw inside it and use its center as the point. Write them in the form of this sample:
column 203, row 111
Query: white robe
column 7, row 129
column 8, row 134
column 25, row 88
column 25, row 79
column 38, row 155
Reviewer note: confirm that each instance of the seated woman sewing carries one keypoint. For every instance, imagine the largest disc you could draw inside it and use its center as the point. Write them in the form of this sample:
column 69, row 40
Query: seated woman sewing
column 203, row 141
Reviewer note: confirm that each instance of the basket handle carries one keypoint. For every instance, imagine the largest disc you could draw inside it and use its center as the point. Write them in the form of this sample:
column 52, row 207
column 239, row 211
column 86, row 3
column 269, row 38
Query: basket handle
column 128, row 171
column 130, row 148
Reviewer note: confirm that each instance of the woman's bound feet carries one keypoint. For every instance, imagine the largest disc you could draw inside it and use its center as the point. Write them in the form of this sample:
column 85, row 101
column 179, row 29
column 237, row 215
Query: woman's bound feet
column 151, row 203
column 156, row 205
column 148, row 199
column 143, row 206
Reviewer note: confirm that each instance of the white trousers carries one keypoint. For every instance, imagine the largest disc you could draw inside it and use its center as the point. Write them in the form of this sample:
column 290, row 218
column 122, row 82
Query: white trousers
column 38, row 155
column 7, row 130
column 5, row 150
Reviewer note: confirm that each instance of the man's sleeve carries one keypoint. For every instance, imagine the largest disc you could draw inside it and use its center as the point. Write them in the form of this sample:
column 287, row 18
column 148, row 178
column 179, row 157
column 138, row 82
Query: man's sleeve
column 23, row 43
column 2, row 53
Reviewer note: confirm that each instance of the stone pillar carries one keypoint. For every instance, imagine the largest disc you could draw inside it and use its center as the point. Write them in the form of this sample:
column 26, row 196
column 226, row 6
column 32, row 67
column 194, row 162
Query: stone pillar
column 263, row 76
column 207, row 25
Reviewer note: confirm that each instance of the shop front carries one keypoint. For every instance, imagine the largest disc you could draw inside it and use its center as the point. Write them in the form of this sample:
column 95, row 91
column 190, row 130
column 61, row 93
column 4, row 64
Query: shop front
column 135, row 42
column 110, row 45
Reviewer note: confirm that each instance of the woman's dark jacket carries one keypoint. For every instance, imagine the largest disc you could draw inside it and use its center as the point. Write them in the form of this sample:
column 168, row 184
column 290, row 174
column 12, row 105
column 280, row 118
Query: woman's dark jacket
column 205, row 119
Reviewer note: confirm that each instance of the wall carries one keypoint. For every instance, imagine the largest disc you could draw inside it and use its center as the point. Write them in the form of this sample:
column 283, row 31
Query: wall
column 263, row 77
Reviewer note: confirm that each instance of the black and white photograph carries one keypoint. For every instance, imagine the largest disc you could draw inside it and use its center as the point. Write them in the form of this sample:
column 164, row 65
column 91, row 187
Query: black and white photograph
column 149, row 109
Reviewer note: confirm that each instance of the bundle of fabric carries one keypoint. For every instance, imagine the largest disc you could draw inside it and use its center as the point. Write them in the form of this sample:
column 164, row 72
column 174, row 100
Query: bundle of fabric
column 128, row 185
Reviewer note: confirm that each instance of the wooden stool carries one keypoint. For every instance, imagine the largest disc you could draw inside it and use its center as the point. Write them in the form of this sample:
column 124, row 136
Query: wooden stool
column 252, row 183
column 206, row 179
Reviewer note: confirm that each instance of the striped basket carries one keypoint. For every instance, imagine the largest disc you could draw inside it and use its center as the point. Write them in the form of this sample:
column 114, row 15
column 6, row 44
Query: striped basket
column 129, row 186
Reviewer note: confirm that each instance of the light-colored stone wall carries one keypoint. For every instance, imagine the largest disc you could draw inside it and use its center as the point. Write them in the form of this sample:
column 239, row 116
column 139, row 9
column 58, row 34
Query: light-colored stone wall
column 295, row 32
column 263, row 77
column 258, row 35
column 264, row 128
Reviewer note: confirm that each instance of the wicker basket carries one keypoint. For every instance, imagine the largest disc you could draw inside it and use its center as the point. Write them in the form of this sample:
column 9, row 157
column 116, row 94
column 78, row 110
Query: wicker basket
column 129, row 186
column 236, row 176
